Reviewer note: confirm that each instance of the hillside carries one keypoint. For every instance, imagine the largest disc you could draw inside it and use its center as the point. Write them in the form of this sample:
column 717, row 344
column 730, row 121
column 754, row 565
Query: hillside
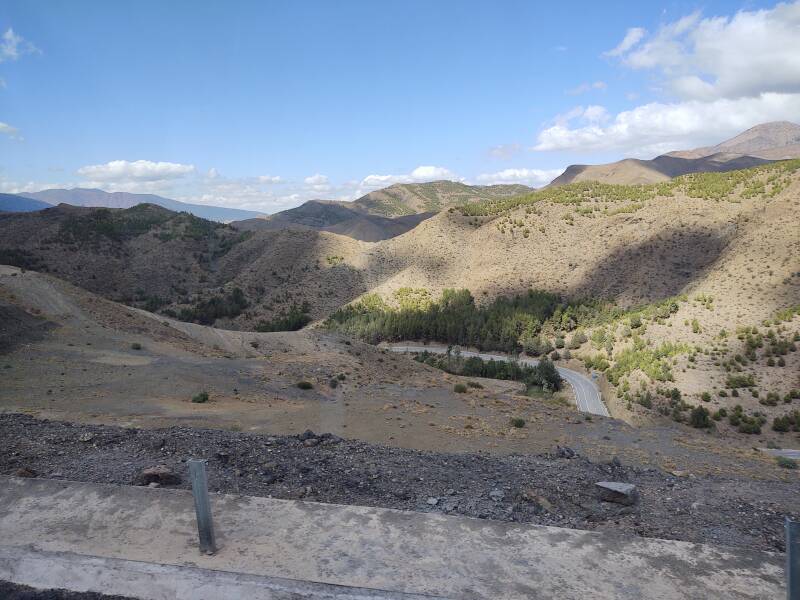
column 14, row 203
column 412, row 198
column 336, row 217
column 100, row 198
column 708, row 259
column 758, row 145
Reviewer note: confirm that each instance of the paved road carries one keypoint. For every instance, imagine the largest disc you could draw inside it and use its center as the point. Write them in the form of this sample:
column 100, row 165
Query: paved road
column 587, row 394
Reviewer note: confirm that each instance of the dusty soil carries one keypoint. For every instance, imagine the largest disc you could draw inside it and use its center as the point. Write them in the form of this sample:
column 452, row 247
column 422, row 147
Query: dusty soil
column 556, row 488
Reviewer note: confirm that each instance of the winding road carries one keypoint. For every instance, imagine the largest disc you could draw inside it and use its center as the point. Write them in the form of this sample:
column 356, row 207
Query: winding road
column 587, row 394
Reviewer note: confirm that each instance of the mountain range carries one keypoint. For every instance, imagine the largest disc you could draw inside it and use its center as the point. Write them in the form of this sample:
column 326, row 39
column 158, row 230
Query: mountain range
column 763, row 143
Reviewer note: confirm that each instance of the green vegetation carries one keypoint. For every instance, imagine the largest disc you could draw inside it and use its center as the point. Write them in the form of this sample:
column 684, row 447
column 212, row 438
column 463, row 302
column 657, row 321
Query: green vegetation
column 200, row 398
column 651, row 361
column 764, row 181
column 460, row 388
column 207, row 311
column 305, row 385
column 19, row 257
column 786, row 423
column 517, row 422
column 114, row 225
column 699, row 417
column 544, row 375
column 295, row 318
column 136, row 346
column 506, row 324
column 786, row 462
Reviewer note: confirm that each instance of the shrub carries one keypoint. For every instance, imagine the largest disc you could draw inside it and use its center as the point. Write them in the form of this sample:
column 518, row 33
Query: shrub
column 200, row 398
column 698, row 418
column 517, row 422
column 333, row 383
column 705, row 397
column 554, row 355
column 136, row 346
column 786, row 462
column 475, row 384
column 740, row 381
column 460, row 388
column 305, row 385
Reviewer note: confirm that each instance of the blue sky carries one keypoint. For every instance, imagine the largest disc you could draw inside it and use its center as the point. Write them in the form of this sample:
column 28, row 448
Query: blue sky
column 264, row 105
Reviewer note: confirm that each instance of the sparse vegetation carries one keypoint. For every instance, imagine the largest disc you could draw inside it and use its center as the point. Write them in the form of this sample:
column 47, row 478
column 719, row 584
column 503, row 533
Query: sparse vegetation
column 200, row 398
column 305, row 385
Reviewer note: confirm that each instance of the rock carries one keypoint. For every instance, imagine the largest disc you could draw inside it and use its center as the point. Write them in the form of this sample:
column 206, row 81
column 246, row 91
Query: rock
column 160, row 474
column 540, row 501
column 223, row 457
column 616, row 462
column 310, row 442
column 306, row 435
column 617, row 491
column 25, row 472
column 565, row 452
column 153, row 484
column 86, row 437
column 497, row 495
column 432, row 501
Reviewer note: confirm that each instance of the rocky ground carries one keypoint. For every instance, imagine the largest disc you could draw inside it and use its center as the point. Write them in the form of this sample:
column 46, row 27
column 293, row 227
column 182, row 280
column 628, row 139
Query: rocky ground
column 549, row 489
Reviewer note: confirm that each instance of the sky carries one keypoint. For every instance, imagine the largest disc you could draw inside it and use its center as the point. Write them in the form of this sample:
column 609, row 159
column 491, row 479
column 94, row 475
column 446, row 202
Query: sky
column 264, row 105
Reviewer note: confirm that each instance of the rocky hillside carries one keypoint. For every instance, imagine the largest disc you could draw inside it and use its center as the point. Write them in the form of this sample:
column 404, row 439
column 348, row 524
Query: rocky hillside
column 758, row 145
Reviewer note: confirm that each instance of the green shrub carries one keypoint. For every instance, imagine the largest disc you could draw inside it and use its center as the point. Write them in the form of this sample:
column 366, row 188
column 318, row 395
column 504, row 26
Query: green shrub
column 460, row 388
column 475, row 384
column 136, row 346
column 699, row 417
column 305, row 385
column 517, row 422
column 705, row 397
column 200, row 398
column 786, row 462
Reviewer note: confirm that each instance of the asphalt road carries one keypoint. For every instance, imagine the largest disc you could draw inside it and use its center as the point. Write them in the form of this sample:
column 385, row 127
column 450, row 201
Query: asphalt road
column 587, row 394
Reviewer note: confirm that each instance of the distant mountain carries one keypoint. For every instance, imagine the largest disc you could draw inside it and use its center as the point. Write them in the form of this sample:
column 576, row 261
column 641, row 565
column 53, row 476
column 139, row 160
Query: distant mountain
column 337, row 217
column 15, row 203
column 414, row 198
column 761, row 144
column 778, row 140
column 95, row 197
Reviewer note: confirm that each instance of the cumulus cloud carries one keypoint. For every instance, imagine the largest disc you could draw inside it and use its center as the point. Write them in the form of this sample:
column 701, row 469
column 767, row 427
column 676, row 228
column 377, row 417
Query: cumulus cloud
column 531, row 177
column 725, row 74
column 135, row 171
column 632, row 37
column 588, row 87
column 420, row 174
column 748, row 54
column 13, row 46
column 269, row 179
column 660, row 127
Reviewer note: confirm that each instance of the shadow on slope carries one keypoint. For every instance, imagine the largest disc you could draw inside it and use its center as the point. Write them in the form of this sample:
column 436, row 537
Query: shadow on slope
column 659, row 267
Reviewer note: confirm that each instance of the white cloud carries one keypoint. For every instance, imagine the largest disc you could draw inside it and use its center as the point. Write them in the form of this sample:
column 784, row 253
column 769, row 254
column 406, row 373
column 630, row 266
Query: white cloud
column 659, row 127
column 420, row 174
column 135, row 171
column 8, row 130
column 269, row 179
column 13, row 46
column 531, row 177
column 632, row 37
column 748, row 54
column 504, row 151
column 316, row 179
column 726, row 74
column 588, row 87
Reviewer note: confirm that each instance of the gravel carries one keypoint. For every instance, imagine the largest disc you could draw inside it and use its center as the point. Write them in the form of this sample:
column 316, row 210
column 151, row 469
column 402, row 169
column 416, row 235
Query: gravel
column 11, row 591
column 551, row 489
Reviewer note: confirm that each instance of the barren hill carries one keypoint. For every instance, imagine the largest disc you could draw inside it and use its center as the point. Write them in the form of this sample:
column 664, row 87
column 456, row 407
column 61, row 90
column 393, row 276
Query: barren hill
column 758, row 145
column 336, row 217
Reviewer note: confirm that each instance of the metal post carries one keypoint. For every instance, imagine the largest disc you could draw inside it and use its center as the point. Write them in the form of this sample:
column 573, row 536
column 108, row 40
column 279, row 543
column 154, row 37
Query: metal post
column 202, row 506
column 792, row 559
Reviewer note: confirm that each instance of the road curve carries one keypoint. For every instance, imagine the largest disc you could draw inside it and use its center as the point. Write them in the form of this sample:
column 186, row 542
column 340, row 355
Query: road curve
column 587, row 394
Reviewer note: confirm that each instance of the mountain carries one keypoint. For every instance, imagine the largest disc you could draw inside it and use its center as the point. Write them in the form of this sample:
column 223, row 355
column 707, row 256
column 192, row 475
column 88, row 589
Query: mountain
column 335, row 217
column 761, row 144
column 414, row 198
column 778, row 140
column 15, row 203
column 100, row 198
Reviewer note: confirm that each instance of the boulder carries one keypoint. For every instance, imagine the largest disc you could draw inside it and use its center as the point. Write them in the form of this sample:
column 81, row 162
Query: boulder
column 159, row 474
column 617, row 491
